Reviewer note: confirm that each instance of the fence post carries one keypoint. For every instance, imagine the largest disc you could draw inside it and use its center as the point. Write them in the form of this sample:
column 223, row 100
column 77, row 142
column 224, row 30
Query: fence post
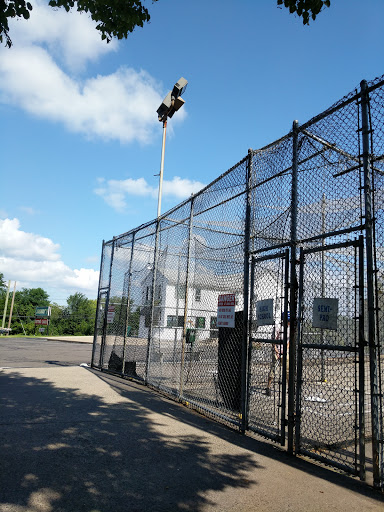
column 361, row 342
column 97, row 306
column 292, row 294
column 102, row 349
column 153, row 295
column 244, row 348
column 373, row 363
column 183, row 340
column 128, row 300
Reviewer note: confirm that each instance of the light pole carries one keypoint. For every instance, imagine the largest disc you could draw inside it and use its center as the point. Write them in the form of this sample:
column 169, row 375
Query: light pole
column 171, row 104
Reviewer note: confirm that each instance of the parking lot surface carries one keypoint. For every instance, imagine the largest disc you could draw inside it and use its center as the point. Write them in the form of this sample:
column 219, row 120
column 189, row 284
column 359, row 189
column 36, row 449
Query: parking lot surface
column 74, row 439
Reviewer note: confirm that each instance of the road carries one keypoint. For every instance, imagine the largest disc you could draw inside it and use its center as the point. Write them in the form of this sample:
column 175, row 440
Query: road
column 41, row 353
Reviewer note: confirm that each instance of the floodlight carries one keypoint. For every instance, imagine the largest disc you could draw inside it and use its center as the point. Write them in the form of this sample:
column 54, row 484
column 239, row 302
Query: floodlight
column 164, row 108
column 176, row 104
column 179, row 87
column 171, row 104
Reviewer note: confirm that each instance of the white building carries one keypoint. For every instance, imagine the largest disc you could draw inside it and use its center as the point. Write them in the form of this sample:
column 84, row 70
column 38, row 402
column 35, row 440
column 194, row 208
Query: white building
column 203, row 292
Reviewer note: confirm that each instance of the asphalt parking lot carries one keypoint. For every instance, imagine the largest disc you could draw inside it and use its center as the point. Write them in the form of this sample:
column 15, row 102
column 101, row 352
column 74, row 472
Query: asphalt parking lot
column 73, row 439
column 41, row 353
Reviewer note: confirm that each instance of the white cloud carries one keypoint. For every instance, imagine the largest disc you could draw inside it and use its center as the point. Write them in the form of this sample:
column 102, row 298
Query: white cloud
column 25, row 246
column 115, row 192
column 34, row 261
column 118, row 106
column 71, row 36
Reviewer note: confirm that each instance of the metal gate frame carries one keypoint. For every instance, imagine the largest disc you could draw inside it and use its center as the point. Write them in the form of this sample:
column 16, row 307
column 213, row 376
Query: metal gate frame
column 283, row 255
column 360, row 463
column 100, row 324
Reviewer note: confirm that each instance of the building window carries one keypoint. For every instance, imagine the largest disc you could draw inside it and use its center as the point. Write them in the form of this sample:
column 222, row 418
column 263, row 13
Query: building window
column 198, row 294
column 156, row 317
column 213, row 322
column 180, row 291
column 175, row 321
column 171, row 321
column 200, row 322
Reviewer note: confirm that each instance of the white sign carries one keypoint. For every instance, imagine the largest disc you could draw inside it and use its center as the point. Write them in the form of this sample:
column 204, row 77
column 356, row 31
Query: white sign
column 325, row 313
column 226, row 310
column 110, row 314
column 42, row 329
column 264, row 312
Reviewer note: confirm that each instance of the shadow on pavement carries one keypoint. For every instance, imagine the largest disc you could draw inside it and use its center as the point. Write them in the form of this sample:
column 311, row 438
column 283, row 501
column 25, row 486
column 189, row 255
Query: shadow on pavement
column 167, row 407
column 63, row 450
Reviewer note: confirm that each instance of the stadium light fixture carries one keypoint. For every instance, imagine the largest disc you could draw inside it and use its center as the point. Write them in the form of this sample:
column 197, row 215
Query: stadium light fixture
column 170, row 104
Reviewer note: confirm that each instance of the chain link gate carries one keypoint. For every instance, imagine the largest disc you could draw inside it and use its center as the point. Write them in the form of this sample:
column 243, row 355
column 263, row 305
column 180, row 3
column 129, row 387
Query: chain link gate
column 323, row 181
column 268, row 363
column 99, row 328
column 331, row 363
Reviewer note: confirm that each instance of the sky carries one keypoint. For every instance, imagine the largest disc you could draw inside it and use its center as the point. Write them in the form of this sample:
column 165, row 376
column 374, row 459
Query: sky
column 80, row 139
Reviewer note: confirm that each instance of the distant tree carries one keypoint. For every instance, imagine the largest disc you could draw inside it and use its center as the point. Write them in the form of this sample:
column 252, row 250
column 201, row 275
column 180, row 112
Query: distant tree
column 25, row 304
column 115, row 18
column 305, row 9
column 3, row 285
column 79, row 315
column 28, row 299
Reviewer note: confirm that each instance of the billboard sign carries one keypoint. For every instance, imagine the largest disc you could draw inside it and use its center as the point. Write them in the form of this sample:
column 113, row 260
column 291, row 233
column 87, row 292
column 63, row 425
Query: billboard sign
column 41, row 321
column 43, row 311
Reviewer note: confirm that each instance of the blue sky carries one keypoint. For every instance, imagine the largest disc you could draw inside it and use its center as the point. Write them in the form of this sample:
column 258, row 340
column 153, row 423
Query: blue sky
column 80, row 139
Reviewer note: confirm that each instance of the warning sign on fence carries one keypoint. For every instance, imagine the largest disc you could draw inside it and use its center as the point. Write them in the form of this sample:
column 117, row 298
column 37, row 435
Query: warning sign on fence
column 110, row 314
column 325, row 313
column 264, row 312
column 226, row 310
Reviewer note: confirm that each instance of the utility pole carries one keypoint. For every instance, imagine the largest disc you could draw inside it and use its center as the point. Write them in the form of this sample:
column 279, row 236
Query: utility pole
column 13, row 301
column 6, row 304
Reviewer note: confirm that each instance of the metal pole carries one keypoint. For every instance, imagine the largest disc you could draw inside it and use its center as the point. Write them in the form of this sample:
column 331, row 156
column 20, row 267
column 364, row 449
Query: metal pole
column 361, row 342
column 373, row 363
column 104, row 335
column 186, row 300
column 285, row 343
column 244, row 350
column 128, row 302
column 13, row 300
column 5, row 305
column 299, row 376
column 322, row 282
column 97, row 307
column 251, row 329
column 152, row 312
column 292, row 294
column 161, row 168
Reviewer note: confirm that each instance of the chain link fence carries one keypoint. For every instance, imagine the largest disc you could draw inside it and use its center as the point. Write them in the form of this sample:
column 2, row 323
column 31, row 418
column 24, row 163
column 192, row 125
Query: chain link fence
column 259, row 300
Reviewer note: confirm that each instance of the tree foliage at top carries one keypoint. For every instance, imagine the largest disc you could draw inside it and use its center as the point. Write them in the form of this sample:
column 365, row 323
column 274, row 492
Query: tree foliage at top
column 115, row 18
column 305, row 9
